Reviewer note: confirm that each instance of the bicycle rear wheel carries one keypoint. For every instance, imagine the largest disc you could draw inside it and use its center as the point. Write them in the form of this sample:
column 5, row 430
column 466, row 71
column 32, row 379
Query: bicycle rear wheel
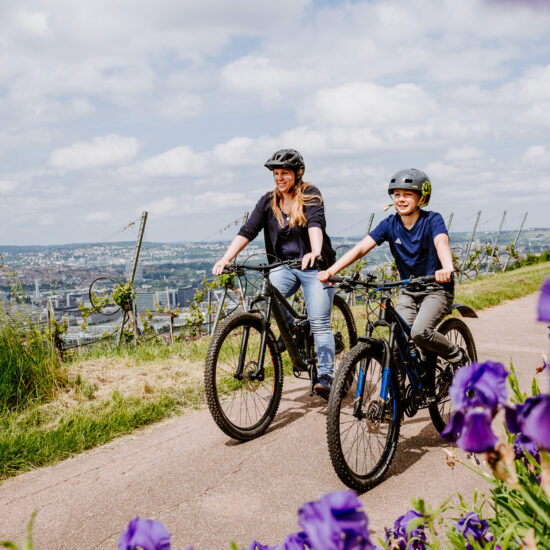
column 242, row 408
column 343, row 328
column 362, row 443
column 457, row 331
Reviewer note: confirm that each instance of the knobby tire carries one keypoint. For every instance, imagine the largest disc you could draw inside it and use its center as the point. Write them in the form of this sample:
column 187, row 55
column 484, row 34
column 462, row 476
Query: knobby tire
column 242, row 409
column 457, row 331
column 361, row 450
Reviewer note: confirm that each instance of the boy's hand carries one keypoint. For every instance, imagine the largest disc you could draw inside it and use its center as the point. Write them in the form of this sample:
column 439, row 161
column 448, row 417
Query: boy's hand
column 323, row 276
column 444, row 275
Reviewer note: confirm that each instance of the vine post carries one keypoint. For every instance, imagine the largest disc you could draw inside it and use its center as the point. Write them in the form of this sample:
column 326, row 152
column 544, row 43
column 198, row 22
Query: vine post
column 465, row 260
column 224, row 295
column 132, row 275
column 490, row 259
column 513, row 247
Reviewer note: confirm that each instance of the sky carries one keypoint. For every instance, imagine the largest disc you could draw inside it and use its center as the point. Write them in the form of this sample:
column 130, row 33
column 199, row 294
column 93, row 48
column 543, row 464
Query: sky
column 109, row 109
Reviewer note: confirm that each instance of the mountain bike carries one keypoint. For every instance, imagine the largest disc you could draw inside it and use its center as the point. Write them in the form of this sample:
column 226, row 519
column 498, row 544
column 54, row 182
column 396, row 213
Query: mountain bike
column 366, row 405
column 243, row 377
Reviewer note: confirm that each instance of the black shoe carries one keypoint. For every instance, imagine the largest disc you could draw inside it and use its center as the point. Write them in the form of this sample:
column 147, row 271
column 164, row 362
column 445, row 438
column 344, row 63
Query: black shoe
column 323, row 385
column 458, row 359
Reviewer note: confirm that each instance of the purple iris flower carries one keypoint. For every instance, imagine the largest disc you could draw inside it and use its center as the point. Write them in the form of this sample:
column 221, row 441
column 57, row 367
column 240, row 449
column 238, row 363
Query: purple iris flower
column 255, row 545
column 471, row 430
column 544, row 301
column 295, row 541
column 144, row 533
column 398, row 535
column 334, row 523
column 531, row 418
column 473, row 528
column 523, row 444
column 479, row 385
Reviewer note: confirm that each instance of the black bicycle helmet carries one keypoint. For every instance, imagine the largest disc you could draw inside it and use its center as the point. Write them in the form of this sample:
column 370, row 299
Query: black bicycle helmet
column 286, row 158
column 413, row 179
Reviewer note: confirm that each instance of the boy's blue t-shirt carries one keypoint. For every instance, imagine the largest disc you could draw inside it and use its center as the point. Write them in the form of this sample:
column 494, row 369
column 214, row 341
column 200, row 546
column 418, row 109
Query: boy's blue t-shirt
column 413, row 249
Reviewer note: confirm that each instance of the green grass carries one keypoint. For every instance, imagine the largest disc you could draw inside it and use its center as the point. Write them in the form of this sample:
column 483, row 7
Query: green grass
column 29, row 366
column 44, row 433
column 491, row 291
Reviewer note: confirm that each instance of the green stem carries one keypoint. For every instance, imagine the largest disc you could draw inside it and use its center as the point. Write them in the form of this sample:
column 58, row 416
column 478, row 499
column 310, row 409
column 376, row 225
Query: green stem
column 534, row 505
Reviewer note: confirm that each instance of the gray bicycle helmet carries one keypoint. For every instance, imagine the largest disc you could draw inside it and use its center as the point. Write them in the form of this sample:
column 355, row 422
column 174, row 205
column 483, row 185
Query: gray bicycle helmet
column 413, row 179
column 286, row 158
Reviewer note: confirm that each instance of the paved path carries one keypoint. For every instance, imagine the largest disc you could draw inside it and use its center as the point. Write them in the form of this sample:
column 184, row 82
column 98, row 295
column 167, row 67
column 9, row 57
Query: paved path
column 208, row 489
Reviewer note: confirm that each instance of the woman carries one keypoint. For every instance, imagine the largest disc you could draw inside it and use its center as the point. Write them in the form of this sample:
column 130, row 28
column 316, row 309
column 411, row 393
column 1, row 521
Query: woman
column 293, row 219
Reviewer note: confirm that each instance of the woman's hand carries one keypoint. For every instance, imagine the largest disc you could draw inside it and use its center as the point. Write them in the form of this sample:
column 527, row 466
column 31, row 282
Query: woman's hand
column 443, row 275
column 219, row 266
column 323, row 276
column 308, row 260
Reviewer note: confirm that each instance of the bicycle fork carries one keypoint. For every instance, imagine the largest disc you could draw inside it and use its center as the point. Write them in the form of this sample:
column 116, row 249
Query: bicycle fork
column 375, row 409
column 259, row 372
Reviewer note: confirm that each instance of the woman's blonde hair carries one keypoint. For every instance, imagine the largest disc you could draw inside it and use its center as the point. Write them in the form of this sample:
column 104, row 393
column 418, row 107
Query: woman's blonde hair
column 300, row 198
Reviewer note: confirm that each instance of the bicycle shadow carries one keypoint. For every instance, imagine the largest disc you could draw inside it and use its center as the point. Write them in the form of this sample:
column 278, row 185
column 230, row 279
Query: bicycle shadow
column 410, row 449
column 295, row 404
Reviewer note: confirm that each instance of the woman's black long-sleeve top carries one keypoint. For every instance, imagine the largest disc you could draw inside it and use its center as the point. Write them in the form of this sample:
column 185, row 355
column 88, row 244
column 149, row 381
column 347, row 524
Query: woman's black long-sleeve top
column 262, row 217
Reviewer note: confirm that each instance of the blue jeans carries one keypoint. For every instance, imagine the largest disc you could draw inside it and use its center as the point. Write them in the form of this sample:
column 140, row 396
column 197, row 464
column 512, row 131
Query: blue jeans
column 318, row 305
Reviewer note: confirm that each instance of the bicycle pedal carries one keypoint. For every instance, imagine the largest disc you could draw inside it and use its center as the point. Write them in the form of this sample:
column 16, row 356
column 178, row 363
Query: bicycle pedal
column 300, row 374
column 429, row 400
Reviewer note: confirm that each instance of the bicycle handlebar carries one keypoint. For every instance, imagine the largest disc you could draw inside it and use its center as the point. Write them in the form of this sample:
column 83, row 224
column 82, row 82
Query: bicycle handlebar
column 370, row 283
column 231, row 268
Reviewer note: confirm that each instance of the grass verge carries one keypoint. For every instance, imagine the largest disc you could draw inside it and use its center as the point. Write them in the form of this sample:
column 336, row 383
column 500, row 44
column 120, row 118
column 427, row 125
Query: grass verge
column 112, row 391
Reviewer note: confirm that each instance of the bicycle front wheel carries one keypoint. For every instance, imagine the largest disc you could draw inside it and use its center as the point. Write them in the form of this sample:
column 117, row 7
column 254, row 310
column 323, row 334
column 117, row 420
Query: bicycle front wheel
column 362, row 430
column 343, row 328
column 457, row 331
column 242, row 405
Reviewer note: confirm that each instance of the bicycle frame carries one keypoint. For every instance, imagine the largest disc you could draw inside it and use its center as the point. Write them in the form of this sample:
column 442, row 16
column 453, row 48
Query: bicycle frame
column 399, row 336
column 275, row 303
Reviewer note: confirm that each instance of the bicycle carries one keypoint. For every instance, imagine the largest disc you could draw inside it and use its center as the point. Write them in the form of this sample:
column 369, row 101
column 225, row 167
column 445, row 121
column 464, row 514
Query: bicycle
column 243, row 376
column 365, row 406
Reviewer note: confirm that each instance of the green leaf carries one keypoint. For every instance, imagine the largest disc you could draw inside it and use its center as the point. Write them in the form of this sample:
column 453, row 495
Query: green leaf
column 535, row 390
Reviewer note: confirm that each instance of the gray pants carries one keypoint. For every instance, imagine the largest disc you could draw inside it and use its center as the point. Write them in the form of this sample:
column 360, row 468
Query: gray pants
column 423, row 311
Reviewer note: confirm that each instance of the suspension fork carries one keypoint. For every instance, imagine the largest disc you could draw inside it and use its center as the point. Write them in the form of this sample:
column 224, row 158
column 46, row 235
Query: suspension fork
column 259, row 373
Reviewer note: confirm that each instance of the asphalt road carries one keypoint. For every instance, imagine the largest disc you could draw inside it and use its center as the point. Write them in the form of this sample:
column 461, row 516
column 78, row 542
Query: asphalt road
column 209, row 490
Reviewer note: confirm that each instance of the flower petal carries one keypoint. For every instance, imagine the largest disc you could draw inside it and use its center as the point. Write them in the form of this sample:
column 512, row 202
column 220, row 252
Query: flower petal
column 544, row 301
column 536, row 419
column 477, row 435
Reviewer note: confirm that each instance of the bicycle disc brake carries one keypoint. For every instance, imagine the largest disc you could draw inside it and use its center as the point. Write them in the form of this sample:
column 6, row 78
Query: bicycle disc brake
column 250, row 381
column 375, row 410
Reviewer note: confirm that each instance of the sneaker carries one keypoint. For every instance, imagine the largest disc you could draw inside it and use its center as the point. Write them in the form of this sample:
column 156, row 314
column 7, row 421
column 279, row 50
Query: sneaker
column 323, row 385
column 459, row 359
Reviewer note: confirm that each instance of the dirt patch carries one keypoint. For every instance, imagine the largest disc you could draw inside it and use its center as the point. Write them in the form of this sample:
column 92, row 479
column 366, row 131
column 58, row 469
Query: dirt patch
column 97, row 378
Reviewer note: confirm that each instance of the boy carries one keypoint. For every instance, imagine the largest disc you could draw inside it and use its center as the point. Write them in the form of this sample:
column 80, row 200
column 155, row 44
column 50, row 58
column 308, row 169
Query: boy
column 419, row 242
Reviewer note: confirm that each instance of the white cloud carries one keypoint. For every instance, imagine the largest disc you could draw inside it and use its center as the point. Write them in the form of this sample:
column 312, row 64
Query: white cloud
column 208, row 202
column 262, row 75
column 537, row 155
column 179, row 106
column 102, row 151
column 6, row 187
column 464, row 153
column 97, row 216
column 180, row 161
column 364, row 103
column 32, row 22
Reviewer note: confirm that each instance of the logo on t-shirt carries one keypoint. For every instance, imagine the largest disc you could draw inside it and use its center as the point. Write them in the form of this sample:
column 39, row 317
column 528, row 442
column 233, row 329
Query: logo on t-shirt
column 398, row 241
